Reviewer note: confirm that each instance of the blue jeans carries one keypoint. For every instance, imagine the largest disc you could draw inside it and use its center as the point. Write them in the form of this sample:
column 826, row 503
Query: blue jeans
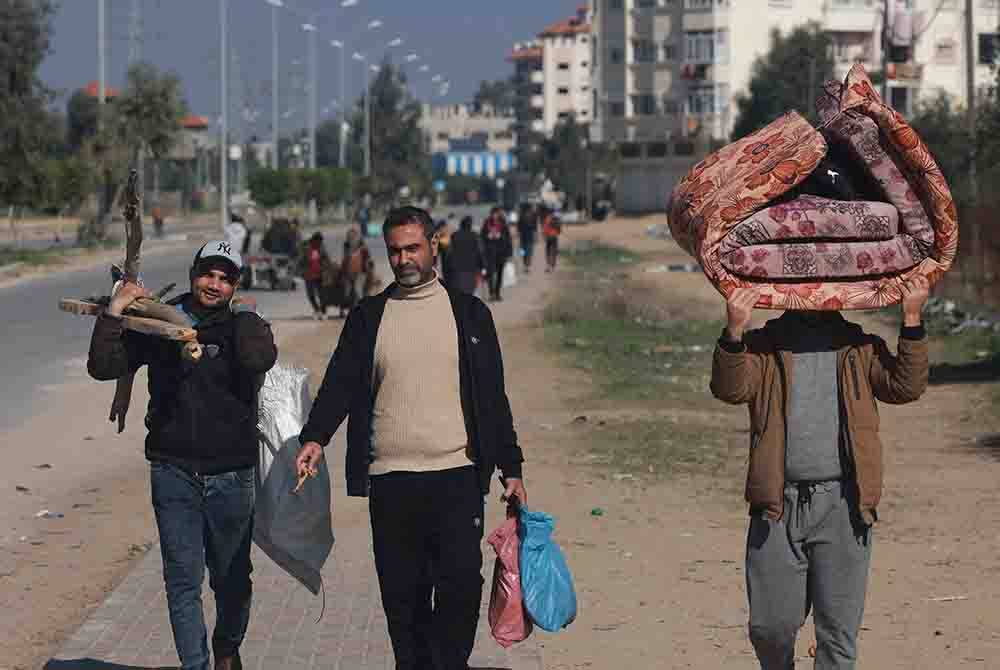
column 205, row 519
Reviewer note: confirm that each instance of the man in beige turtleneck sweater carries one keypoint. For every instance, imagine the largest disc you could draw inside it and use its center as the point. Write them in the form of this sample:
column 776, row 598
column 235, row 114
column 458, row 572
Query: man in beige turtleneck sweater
column 418, row 370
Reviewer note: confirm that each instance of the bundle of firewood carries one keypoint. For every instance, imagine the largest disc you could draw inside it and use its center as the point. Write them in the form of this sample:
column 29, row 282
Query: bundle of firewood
column 149, row 316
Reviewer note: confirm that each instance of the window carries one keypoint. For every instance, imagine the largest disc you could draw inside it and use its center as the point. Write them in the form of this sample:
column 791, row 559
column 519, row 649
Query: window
column 669, row 51
column 630, row 150
column 706, row 46
column 584, row 64
column 617, row 55
column 645, row 4
column 584, row 88
column 989, row 45
column 946, row 51
column 705, row 4
column 851, row 47
column 617, row 4
column 563, row 66
column 563, row 116
column 443, row 136
column 644, row 104
column 707, row 100
column 618, row 109
column 562, row 90
column 504, row 135
column 644, row 51
column 584, row 39
column 902, row 98
column 670, row 105
column 656, row 150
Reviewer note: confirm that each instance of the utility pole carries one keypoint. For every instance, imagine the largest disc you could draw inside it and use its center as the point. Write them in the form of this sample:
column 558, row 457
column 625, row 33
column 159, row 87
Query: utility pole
column 970, row 64
column 102, row 48
column 224, row 126
column 275, row 6
column 135, row 33
column 885, row 50
column 368, row 121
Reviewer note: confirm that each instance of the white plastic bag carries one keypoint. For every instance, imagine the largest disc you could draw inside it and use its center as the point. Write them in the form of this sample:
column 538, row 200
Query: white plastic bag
column 509, row 275
column 294, row 529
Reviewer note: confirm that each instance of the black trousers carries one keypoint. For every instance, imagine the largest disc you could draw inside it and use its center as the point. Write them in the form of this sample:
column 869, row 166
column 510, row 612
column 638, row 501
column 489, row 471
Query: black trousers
column 426, row 530
column 314, row 291
column 494, row 275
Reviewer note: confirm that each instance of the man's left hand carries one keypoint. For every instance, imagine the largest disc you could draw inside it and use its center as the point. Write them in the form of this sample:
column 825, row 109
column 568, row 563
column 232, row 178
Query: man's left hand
column 515, row 493
column 915, row 293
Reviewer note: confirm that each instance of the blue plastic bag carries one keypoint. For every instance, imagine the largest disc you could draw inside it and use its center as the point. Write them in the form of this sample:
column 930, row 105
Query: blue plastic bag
column 549, row 596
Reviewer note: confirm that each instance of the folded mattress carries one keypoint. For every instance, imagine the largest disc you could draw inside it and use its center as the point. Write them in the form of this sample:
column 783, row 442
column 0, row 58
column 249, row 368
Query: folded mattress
column 751, row 215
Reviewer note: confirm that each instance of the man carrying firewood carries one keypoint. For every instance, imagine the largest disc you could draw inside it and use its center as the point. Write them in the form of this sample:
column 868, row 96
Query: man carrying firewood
column 201, row 445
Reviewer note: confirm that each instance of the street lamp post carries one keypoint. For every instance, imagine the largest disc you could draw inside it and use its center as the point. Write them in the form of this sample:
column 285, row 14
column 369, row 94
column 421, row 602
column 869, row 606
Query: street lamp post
column 275, row 6
column 224, row 129
column 342, row 126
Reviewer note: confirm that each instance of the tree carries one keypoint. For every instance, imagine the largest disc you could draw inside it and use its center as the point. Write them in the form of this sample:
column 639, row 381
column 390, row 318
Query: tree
column 150, row 109
column 25, row 29
column 501, row 95
column 328, row 143
column 82, row 112
column 269, row 188
column 789, row 76
column 568, row 157
column 399, row 155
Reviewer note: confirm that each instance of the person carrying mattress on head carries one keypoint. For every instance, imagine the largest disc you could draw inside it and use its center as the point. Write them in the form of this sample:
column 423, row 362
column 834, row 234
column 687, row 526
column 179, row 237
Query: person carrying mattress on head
column 811, row 380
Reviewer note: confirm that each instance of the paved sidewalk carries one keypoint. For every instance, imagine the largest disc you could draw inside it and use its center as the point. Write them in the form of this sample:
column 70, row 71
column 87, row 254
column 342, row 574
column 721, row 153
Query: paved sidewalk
column 131, row 630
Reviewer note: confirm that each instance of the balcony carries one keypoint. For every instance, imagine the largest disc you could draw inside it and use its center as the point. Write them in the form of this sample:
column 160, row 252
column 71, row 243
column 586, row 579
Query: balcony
column 852, row 16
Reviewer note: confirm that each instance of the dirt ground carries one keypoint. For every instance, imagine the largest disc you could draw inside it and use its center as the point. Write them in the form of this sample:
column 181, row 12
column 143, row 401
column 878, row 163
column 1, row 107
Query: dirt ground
column 658, row 572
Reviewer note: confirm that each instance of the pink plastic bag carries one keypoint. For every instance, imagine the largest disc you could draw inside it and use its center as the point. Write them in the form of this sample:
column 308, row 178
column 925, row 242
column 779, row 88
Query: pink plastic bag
column 509, row 622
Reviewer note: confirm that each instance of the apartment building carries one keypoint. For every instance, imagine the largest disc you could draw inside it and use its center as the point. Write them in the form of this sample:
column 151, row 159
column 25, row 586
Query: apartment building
column 666, row 71
column 553, row 76
column 466, row 140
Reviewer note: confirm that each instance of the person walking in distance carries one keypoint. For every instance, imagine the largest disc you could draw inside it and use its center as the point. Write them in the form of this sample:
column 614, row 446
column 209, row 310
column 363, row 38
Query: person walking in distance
column 201, row 446
column 527, row 230
column 419, row 373
column 465, row 259
column 315, row 264
column 811, row 381
column 355, row 267
column 551, row 229
column 498, row 247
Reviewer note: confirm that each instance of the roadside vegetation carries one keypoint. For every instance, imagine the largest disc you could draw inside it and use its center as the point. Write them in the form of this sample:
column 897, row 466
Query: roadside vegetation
column 650, row 373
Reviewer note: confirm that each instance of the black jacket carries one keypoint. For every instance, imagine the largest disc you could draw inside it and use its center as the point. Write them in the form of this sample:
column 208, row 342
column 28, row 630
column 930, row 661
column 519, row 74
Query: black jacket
column 347, row 391
column 202, row 416
column 464, row 252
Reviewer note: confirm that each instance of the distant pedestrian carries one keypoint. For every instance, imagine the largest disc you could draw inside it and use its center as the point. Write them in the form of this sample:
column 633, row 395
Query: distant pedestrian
column 202, row 446
column 551, row 230
column 419, row 372
column 157, row 214
column 354, row 269
column 498, row 247
column 527, row 230
column 443, row 230
column 315, row 265
column 465, row 259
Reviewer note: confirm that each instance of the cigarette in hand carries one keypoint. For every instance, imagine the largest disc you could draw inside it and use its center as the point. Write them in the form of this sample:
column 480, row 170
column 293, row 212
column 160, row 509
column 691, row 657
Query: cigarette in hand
column 308, row 473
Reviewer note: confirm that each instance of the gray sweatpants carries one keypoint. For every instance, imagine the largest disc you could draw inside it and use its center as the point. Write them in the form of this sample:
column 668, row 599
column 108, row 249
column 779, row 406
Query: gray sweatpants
column 816, row 556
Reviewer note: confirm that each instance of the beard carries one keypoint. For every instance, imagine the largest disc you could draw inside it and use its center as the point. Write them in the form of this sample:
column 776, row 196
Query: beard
column 410, row 276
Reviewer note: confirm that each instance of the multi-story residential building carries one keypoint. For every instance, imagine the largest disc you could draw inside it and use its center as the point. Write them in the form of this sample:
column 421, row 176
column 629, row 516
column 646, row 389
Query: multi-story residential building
column 469, row 141
column 566, row 69
column 669, row 70
column 553, row 76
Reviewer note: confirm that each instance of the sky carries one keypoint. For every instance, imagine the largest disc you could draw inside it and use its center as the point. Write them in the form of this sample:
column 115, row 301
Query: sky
column 464, row 41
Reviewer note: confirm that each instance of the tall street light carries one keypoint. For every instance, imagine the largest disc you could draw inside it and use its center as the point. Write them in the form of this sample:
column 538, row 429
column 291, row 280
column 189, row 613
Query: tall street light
column 224, row 129
column 275, row 6
column 342, row 157
column 367, row 134
column 311, row 29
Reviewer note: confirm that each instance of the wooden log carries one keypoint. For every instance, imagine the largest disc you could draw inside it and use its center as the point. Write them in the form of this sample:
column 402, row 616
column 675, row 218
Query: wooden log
column 139, row 324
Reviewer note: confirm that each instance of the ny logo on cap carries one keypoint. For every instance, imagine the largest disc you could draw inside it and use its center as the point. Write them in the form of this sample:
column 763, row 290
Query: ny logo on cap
column 225, row 248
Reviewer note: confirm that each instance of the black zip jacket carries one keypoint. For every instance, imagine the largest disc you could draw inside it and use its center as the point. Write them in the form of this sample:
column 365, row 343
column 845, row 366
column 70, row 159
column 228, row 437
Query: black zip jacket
column 347, row 391
column 202, row 416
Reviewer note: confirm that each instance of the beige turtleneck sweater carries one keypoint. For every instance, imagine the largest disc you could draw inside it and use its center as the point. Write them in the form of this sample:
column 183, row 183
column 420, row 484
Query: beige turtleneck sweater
column 417, row 424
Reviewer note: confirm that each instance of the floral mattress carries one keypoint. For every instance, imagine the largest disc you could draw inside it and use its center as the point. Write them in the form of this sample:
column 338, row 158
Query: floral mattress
column 827, row 219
